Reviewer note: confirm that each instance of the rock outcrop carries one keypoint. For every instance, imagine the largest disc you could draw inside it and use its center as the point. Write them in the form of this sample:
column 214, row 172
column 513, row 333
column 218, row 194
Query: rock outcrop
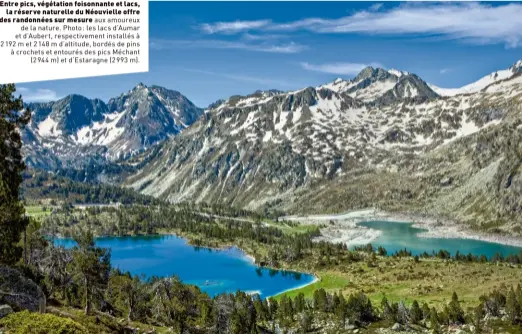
column 19, row 292
column 5, row 310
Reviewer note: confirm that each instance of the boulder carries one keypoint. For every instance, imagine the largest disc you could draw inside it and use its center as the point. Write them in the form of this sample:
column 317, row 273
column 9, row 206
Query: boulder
column 396, row 327
column 20, row 292
column 349, row 327
column 446, row 181
column 5, row 310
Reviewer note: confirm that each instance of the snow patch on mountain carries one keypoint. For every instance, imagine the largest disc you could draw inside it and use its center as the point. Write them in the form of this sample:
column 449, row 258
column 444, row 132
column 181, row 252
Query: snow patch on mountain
column 100, row 133
column 372, row 84
column 481, row 83
column 49, row 128
column 374, row 91
column 338, row 85
column 398, row 73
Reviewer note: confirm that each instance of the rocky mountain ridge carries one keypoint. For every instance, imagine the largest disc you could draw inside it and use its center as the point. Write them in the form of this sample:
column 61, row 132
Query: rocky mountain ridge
column 279, row 149
column 385, row 138
column 482, row 82
column 75, row 131
column 382, row 86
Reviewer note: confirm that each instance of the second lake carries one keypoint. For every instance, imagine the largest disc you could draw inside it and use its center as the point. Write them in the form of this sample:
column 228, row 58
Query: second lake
column 396, row 236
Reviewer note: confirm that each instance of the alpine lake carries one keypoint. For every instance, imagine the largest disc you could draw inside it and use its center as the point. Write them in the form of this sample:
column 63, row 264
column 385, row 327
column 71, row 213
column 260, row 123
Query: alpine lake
column 229, row 270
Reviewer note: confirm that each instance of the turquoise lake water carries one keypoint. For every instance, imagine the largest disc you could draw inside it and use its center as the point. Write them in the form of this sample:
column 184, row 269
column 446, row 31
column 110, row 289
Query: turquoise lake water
column 214, row 271
column 219, row 271
column 397, row 236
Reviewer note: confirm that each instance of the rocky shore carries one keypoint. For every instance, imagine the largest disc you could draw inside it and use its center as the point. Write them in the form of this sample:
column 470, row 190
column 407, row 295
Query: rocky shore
column 345, row 228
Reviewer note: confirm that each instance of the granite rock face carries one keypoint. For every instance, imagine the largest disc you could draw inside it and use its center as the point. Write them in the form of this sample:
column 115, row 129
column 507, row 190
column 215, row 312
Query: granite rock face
column 19, row 292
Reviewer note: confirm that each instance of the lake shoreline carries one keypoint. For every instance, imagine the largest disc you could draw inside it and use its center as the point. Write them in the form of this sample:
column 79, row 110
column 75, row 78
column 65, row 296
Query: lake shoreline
column 252, row 260
column 347, row 223
column 315, row 280
column 225, row 247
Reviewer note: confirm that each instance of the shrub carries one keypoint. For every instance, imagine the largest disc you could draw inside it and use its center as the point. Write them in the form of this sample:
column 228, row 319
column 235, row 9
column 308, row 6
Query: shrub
column 26, row 322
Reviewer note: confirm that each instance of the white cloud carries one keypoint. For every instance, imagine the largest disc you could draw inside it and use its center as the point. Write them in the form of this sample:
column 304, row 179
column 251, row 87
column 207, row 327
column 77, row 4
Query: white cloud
column 262, row 37
column 338, row 68
column 36, row 95
column 256, row 79
column 469, row 22
column 232, row 27
column 376, row 6
column 445, row 70
column 290, row 47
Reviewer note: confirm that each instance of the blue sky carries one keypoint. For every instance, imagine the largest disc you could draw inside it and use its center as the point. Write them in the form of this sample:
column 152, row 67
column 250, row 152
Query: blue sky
column 212, row 50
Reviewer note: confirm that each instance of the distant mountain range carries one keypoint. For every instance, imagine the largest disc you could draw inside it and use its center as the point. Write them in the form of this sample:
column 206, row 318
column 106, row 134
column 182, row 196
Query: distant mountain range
column 385, row 138
column 75, row 130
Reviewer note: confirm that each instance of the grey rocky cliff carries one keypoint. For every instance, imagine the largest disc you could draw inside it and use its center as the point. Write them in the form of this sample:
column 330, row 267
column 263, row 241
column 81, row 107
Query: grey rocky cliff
column 20, row 292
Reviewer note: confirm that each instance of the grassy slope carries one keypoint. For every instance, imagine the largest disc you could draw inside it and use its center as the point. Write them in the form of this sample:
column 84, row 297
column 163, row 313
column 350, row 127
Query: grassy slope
column 37, row 211
column 431, row 280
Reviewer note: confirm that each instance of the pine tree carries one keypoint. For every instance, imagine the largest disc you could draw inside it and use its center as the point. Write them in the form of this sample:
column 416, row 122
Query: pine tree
column 261, row 308
column 34, row 240
column 434, row 320
column 386, row 309
column 512, row 307
column 235, row 323
column 425, row 311
column 299, row 303
column 320, row 300
column 478, row 314
column 340, row 310
column 415, row 313
column 91, row 265
column 12, row 220
column 265, row 310
column 131, row 291
column 518, row 293
column 285, row 313
column 455, row 313
column 273, row 307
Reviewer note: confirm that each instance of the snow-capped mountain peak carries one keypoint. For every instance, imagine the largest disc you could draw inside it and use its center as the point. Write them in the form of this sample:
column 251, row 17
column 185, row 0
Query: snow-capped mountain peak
column 372, row 84
column 482, row 83
column 75, row 126
column 517, row 67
